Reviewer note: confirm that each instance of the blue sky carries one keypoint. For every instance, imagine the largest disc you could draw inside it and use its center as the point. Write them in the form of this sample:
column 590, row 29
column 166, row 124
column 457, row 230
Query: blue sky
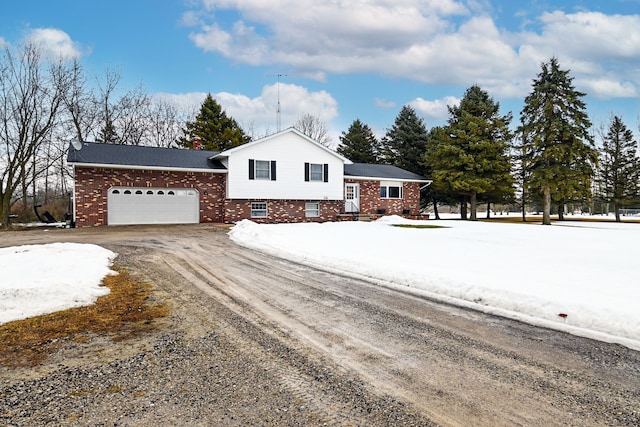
column 345, row 59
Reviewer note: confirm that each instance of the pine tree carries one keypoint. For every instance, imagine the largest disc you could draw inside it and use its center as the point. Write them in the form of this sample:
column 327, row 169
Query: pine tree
column 405, row 142
column 217, row 131
column 619, row 166
column 472, row 156
column 359, row 144
column 557, row 147
column 108, row 133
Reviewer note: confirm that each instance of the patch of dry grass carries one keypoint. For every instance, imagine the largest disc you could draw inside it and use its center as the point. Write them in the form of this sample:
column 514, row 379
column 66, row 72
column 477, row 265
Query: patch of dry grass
column 126, row 311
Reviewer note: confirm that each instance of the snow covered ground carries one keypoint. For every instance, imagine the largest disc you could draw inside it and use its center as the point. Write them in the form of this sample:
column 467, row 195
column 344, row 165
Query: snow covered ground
column 41, row 279
column 579, row 277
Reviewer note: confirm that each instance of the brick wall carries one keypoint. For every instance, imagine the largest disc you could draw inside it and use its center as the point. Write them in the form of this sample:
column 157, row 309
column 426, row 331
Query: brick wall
column 280, row 211
column 371, row 202
column 92, row 185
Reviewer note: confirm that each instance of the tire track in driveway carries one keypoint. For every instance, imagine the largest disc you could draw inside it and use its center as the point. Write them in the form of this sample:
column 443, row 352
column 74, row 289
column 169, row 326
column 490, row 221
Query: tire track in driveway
column 478, row 367
column 355, row 353
column 324, row 388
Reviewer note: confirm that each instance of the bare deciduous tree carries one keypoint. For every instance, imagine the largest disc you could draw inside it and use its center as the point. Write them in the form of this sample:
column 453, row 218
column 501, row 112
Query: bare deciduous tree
column 315, row 128
column 30, row 97
column 165, row 123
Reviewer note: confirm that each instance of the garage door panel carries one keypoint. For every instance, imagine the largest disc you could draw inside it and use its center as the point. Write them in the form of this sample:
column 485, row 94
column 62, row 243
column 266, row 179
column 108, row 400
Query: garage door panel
column 131, row 205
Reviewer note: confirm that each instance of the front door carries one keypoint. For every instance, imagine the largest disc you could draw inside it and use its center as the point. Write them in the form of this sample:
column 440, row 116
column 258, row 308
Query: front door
column 351, row 198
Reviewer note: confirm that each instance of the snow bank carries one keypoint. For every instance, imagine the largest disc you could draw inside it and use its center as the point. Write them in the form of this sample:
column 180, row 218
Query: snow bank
column 581, row 279
column 41, row 279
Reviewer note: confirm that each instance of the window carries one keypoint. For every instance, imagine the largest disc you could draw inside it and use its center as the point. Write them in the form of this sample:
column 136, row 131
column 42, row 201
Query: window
column 390, row 191
column 258, row 210
column 262, row 169
column 312, row 210
column 316, row 172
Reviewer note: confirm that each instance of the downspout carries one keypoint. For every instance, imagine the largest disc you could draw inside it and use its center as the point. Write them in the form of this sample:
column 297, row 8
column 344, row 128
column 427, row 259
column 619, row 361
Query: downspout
column 73, row 198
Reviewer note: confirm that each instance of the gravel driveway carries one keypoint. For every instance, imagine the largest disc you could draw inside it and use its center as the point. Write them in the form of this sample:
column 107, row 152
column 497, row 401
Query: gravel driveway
column 254, row 340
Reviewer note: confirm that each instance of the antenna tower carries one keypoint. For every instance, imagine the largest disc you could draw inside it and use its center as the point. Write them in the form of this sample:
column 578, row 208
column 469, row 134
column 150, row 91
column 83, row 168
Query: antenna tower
column 278, row 115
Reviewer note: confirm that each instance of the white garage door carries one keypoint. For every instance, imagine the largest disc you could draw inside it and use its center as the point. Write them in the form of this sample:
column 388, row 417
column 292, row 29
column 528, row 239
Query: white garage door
column 133, row 205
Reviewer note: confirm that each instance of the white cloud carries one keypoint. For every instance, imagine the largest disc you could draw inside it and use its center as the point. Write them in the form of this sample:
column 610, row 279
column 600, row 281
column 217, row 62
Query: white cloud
column 259, row 113
column 610, row 88
column 435, row 110
column 443, row 42
column 55, row 43
column 383, row 103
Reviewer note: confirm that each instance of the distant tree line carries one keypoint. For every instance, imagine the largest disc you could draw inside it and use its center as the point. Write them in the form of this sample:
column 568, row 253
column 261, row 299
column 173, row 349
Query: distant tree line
column 548, row 161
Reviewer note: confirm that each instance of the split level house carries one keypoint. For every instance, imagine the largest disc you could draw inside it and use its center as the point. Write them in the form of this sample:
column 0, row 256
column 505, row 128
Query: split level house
column 285, row 177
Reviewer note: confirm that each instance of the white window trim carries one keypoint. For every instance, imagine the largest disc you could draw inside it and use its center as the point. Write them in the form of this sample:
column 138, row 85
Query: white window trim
column 268, row 169
column 321, row 179
column 312, row 211
column 386, row 186
column 255, row 210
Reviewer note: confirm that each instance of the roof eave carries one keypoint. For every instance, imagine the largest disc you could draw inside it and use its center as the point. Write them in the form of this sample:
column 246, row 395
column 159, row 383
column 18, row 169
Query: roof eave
column 382, row 178
column 137, row 167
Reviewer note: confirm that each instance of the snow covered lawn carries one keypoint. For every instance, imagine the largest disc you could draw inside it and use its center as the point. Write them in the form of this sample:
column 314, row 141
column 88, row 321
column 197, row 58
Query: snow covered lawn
column 583, row 278
column 41, row 279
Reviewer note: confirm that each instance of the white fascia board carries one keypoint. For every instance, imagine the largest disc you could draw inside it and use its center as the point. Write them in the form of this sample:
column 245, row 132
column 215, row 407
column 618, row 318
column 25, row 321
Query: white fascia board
column 377, row 178
column 275, row 135
column 147, row 168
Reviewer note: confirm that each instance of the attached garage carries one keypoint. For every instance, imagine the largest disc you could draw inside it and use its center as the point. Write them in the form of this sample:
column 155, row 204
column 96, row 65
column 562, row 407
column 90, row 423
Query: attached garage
column 131, row 205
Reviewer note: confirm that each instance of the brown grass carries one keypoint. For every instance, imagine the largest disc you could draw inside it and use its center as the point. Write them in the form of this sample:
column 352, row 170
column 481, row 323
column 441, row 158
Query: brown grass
column 125, row 312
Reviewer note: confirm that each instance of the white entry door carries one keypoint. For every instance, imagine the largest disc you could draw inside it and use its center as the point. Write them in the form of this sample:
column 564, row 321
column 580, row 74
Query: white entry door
column 135, row 205
column 351, row 198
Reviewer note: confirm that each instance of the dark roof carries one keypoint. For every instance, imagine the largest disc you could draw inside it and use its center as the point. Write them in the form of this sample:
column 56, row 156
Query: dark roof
column 140, row 156
column 381, row 171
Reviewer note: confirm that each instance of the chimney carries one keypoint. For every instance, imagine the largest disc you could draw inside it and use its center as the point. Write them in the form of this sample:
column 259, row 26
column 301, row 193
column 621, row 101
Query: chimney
column 197, row 143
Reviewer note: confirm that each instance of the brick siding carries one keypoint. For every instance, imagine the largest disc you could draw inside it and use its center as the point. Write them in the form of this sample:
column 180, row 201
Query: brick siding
column 282, row 211
column 371, row 203
column 92, row 186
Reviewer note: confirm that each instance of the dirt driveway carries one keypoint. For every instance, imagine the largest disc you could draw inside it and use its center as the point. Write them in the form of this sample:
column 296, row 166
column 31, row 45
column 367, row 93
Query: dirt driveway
column 255, row 340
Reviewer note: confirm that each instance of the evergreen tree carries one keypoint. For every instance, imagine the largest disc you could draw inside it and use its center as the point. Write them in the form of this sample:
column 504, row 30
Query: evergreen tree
column 108, row 133
column 619, row 166
column 405, row 142
column 359, row 144
column 217, row 131
column 558, row 150
column 437, row 192
column 472, row 155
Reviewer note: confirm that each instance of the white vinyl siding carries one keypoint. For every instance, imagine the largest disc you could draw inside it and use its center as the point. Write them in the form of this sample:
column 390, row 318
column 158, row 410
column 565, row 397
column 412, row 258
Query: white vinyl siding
column 289, row 152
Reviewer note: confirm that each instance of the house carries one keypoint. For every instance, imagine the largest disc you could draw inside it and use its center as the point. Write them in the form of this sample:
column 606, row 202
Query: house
column 285, row 177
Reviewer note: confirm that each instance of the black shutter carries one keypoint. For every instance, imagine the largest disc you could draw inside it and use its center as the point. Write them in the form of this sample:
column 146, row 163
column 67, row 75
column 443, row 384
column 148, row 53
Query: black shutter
column 306, row 171
column 326, row 172
column 252, row 169
column 273, row 170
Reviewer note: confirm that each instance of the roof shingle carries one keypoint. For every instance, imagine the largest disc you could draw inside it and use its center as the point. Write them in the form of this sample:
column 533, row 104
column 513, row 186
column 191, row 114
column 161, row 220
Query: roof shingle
column 140, row 156
column 381, row 171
